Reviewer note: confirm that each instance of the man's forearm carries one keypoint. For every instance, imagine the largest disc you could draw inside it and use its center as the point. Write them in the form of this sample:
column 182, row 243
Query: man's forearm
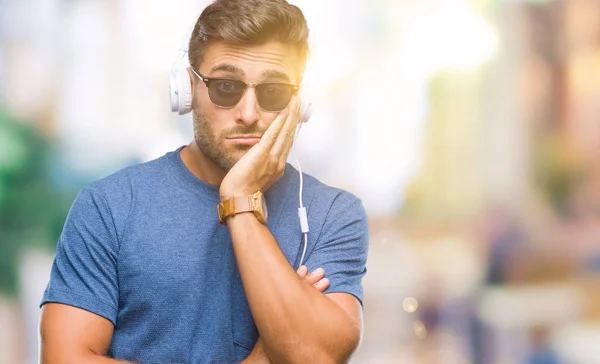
column 296, row 321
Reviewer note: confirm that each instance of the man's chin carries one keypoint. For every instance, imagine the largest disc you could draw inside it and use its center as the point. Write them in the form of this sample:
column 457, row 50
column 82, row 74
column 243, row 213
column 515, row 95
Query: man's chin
column 237, row 154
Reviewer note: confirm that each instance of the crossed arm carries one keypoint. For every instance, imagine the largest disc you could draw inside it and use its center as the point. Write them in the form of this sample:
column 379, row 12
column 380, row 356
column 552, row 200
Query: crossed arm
column 296, row 321
column 73, row 335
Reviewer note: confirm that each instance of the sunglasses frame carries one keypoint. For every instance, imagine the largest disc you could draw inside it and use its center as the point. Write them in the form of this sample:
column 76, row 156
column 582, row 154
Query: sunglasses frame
column 208, row 80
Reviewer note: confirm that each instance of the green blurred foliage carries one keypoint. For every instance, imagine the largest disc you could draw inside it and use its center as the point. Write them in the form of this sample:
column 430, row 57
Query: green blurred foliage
column 32, row 208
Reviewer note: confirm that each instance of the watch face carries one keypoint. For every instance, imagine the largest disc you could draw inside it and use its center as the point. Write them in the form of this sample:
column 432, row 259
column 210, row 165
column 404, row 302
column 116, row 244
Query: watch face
column 264, row 207
column 220, row 212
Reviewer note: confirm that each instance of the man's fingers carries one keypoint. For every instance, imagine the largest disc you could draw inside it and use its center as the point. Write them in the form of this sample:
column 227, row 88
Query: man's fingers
column 314, row 276
column 272, row 134
column 322, row 284
column 281, row 146
column 302, row 271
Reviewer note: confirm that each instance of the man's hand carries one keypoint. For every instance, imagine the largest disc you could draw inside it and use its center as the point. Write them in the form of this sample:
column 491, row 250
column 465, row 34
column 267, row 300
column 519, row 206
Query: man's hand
column 265, row 162
column 317, row 279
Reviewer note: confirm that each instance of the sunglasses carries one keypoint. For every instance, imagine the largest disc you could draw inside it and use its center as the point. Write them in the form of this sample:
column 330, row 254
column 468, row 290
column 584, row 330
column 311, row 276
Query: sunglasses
column 226, row 93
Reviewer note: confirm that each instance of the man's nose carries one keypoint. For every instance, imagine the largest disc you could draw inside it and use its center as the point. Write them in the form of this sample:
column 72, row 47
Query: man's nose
column 248, row 110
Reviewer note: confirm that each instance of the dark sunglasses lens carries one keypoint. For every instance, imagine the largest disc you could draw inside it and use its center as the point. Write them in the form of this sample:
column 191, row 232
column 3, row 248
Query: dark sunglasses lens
column 226, row 93
column 274, row 96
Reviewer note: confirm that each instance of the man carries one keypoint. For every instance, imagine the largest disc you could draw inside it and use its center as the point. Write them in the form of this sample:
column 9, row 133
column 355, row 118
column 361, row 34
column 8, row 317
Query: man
column 145, row 272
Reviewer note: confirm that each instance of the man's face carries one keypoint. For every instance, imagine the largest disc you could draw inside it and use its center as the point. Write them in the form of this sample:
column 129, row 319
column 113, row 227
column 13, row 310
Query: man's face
column 225, row 134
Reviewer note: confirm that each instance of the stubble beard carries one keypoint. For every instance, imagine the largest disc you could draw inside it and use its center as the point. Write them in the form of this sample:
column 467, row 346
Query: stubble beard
column 212, row 146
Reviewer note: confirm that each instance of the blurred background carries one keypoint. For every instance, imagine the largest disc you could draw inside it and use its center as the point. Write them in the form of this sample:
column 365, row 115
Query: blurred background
column 470, row 129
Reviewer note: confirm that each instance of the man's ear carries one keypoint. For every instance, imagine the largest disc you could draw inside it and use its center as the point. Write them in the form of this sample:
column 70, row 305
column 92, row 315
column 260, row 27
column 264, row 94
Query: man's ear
column 192, row 79
column 193, row 83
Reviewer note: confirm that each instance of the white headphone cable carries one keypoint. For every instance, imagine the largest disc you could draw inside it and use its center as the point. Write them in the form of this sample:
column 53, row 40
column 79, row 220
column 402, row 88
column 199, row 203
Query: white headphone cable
column 301, row 210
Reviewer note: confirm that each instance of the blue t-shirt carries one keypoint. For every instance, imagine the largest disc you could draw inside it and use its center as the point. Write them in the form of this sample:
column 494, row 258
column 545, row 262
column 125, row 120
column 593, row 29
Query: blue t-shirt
column 144, row 249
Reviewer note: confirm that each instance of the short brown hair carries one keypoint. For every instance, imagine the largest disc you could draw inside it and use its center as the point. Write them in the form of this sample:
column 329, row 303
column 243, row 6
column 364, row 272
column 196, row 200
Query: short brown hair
column 249, row 22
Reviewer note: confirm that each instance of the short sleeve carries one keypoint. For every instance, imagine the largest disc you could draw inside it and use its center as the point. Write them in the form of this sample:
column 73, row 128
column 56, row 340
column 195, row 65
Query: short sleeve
column 342, row 246
column 84, row 272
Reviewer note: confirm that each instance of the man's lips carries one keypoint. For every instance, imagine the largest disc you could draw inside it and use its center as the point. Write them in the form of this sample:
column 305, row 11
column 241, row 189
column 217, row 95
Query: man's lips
column 244, row 139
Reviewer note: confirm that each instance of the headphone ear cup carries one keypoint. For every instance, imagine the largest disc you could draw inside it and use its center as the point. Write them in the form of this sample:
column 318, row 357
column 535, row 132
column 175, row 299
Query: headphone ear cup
column 181, row 91
column 305, row 110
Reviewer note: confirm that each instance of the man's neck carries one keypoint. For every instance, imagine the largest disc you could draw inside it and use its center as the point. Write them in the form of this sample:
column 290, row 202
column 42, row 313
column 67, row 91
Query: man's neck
column 200, row 166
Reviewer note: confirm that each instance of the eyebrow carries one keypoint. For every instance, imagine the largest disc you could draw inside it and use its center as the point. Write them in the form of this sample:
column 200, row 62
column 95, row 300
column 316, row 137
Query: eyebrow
column 276, row 74
column 228, row 68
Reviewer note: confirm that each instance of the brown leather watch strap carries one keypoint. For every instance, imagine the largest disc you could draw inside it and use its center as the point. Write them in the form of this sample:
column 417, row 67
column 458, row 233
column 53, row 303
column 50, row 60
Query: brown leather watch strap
column 238, row 204
column 235, row 205
column 252, row 203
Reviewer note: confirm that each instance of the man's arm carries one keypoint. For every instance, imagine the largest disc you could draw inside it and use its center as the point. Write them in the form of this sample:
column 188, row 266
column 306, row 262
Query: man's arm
column 79, row 304
column 297, row 323
column 72, row 335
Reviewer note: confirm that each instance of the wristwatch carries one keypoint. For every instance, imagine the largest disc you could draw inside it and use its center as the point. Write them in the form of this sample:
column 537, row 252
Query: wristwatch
column 252, row 203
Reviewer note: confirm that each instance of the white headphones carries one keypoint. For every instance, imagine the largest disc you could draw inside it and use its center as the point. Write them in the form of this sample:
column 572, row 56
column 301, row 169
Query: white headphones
column 180, row 88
